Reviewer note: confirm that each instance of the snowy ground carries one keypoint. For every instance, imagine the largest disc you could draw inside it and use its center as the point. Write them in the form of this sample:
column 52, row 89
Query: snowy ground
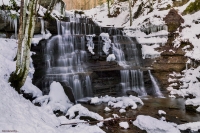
column 19, row 114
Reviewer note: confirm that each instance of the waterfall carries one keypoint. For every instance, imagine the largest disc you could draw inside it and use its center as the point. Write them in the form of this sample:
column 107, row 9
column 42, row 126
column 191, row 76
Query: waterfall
column 77, row 89
column 66, row 58
column 125, row 45
column 132, row 80
column 156, row 89
column 88, row 86
column 125, row 80
column 118, row 52
column 137, row 82
column 76, row 53
column 58, row 26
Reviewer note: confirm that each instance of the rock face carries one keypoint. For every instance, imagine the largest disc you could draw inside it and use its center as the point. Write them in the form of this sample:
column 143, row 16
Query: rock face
column 173, row 20
column 172, row 59
column 6, row 27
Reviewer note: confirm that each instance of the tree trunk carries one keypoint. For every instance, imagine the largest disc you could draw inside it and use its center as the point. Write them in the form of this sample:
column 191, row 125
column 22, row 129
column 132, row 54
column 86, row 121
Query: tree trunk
column 130, row 12
column 20, row 37
column 18, row 78
column 108, row 2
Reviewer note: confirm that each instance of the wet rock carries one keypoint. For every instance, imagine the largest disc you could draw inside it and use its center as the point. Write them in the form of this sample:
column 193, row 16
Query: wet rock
column 183, row 120
column 87, row 118
column 198, row 78
column 190, row 96
column 172, row 107
column 68, row 91
column 84, row 100
column 58, row 113
column 3, row 23
column 131, row 92
column 28, row 96
column 111, row 123
column 191, row 108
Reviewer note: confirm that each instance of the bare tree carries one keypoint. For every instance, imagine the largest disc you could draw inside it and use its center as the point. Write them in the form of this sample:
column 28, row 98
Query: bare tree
column 108, row 3
column 130, row 12
column 26, row 31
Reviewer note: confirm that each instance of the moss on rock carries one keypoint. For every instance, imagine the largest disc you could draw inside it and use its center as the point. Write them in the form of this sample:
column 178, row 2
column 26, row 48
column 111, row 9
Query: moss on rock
column 192, row 7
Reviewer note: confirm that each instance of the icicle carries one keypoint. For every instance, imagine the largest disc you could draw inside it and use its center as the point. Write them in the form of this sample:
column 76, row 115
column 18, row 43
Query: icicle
column 90, row 43
column 42, row 27
column 107, row 42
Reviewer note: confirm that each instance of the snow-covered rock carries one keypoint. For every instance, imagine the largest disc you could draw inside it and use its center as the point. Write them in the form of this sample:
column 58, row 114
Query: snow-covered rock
column 58, row 98
column 161, row 112
column 153, row 125
column 124, row 125
column 194, row 126
column 82, row 111
column 107, row 109
column 119, row 102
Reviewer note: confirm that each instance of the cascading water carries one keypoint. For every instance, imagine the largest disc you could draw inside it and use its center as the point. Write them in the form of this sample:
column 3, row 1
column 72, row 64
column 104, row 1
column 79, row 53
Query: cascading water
column 132, row 80
column 80, row 51
column 89, row 86
column 124, row 45
column 156, row 89
column 66, row 56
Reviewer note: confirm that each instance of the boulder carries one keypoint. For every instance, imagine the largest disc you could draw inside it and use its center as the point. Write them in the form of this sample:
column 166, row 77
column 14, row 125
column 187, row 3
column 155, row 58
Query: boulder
column 68, row 91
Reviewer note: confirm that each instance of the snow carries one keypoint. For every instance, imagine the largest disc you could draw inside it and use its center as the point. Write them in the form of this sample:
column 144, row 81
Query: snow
column 161, row 112
column 189, row 33
column 7, row 2
column 118, row 102
column 19, row 111
column 149, row 51
column 124, row 125
column 122, row 110
column 95, row 100
column 151, row 23
column 107, row 109
column 20, row 114
column 107, row 42
column 194, row 102
column 90, row 43
column 58, row 98
column 153, row 125
column 8, row 50
column 29, row 88
column 115, row 116
column 37, row 38
column 82, row 111
column 111, row 57
column 191, row 85
column 172, row 96
column 194, row 126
